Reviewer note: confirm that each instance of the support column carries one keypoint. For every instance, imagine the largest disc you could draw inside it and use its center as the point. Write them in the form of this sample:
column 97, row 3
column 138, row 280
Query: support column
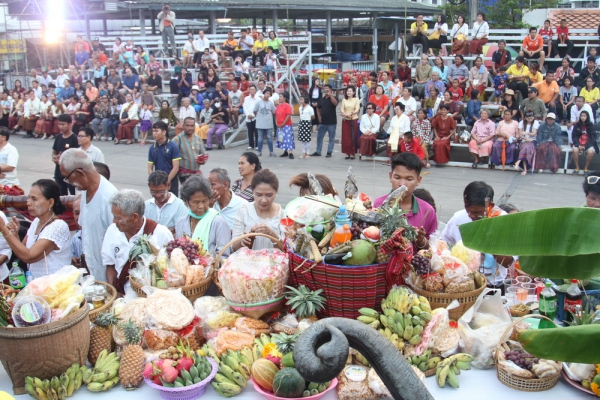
column 87, row 28
column 153, row 25
column 212, row 21
column 264, row 26
column 105, row 26
column 328, row 33
column 309, row 24
column 142, row 23
column 396, row 47
column 374, row 41
column 253, row 22
column 275, row 26
column 351, row 25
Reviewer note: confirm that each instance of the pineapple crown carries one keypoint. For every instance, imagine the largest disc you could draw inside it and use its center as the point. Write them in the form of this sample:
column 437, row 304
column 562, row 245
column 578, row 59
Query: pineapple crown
column 133, row 333
column 305, row 302
column 284, row 342
column 106, row 319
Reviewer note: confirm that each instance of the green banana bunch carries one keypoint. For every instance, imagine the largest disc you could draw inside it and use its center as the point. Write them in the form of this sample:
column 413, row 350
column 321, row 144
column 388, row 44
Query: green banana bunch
column 449, row 369
column 56, row 388
column 368, row 312
column 102, row 386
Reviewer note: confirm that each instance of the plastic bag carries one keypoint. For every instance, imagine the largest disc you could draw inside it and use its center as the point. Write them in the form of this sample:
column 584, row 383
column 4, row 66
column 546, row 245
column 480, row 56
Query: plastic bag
column 208, row 304
column 159, row 339
column 174, row 278
column 482, row 326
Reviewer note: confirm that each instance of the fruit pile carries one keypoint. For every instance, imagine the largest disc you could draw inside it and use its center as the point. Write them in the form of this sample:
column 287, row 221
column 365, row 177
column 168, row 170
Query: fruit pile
column 234, row 370
column 424, row 362
column 522, row 358
column 448, row 369
column 57, row 387
column 188, row 370
column 105, row 373
column 421, row 264
column 191, row 248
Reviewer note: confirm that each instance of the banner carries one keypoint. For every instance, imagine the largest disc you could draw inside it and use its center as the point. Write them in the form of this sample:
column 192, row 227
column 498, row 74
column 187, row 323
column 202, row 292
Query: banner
column 13, row 46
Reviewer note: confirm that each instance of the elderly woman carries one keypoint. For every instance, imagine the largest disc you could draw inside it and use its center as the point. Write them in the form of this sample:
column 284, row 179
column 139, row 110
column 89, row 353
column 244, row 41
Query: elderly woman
column 478, row 77
column 202, row 221
column 444, row 128
column 399, row 125
column 434, row 82
column 223, row 199
column 261, row 216
column 504, row 149
column 482, row 137
column 128, row 119
column 369, row 126
column 127, row 207
column 101, row 117
column 47, row 246
column 248, row 165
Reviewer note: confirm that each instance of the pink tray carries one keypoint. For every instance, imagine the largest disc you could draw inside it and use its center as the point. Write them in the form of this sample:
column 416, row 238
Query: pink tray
column 271, row 396
column 188, row 392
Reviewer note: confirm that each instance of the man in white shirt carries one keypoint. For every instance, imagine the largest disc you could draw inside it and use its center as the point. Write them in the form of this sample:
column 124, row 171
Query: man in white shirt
column 44, row 79
column 249, row 103
column 580, row 105
column 130, row 224
column 60, row 78
column 84, row 138
column 236, row 99
column 246, row 42
column 164, row 207
column 96, row 214
column 35, row 86
column 31, row 113
column 223, row 199
column 9, row 158
column 410, row 104
column 199, row 45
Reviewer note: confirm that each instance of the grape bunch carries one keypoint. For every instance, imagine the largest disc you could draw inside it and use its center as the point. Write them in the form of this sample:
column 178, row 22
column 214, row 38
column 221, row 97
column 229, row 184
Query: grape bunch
column 421, row 264
column 521, row 358
column 357, row 228
column 190, row 248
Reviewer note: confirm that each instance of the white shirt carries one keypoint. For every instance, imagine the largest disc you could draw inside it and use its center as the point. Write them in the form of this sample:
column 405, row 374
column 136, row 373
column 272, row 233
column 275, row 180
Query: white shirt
column 94, row 153
column 201, row 44
column 451, row 234
column 249, row 103
column 167, row 215
column 60, row 80
column 480, row 29
column 186, row 112
column 116, row 247
column 229, row 212
column 409, row 105
column 402, row 122
column 37, row 91
column 235, row 98
column 306, row 113
column 464, row 29
column 575, row 112
column 369, row 124
column 249, row 42
column 56, row 231
column 9, row 156
column 94, row 219
column 188, row 47
column 44, row 81
column 444, row 27
column 31, row 108
column 5, row 250
column 246, row 217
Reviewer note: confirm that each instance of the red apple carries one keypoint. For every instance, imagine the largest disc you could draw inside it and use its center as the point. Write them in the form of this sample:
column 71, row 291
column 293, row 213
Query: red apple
column 372, row 233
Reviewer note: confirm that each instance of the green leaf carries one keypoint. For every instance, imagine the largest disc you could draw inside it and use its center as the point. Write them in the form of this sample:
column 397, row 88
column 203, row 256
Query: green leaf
column 575, row 343
column 553, row 243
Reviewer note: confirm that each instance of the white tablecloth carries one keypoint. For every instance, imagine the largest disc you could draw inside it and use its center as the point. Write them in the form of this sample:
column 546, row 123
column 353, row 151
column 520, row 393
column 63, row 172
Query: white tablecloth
column 474, row 384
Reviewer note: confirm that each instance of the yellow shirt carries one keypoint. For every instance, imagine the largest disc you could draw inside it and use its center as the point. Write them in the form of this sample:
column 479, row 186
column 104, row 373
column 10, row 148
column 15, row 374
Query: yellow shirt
column 590, row 96
column 261, row 46
column 516, row 71
column 414, row 26
column 535, row 78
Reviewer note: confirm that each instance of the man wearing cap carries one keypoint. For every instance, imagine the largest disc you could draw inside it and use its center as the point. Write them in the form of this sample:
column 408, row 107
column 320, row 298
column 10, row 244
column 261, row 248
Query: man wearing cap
column 534, row 104
column 154, row 82
column 549, row 143
column 548, row 91
column 197, row 98
column 98, row 51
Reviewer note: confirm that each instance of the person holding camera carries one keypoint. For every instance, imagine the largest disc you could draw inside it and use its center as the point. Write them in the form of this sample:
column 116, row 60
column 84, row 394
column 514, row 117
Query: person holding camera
column 166, row 26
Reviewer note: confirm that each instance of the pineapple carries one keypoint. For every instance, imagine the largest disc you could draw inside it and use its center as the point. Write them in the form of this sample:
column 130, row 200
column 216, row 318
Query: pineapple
column 305, row 302
column 132, row 358
column 101, row 335
column 284, row 342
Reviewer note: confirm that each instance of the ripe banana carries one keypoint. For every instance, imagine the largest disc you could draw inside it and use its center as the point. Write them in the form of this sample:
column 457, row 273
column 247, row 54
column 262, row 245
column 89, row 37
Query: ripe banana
column 365, row 319
column 226, row 389
column 62, row 392
column 452, row 379
column 442, row 376
column 375, row 324
column 41, row 395
column 384, row 321
column 455, row 369
column 463, row 357
column 433, row 362
column 87, row 376
column 220, row 378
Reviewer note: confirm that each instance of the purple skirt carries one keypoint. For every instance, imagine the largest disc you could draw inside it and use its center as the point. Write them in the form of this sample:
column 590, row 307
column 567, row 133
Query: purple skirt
column 496, row 157
column 146, row 125
column 527, row 152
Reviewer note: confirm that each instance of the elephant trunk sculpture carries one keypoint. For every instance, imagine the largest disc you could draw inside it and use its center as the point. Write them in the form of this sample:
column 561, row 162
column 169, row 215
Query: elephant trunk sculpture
column 321, row 352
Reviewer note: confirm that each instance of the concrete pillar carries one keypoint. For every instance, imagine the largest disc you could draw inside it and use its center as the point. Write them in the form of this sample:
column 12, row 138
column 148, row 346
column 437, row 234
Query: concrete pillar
column 212, row 21
column 87, row 27
column 105, row 26
column 351, row 25
column 309, row 24
column 328, row 33
column 375, row 41
column 275, row 21
column 253, row 22
column 153, row 25
column 142, row 23
column 264, row 26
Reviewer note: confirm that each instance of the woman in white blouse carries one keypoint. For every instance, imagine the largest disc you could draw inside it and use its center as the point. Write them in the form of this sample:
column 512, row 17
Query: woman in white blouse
column 399, row 125
column 47, row 246
column 370, row 124
column 129, row 118
column 481, row 31
column 118, row 47
column 459, row 36
column 261, row 216
column 442, row 28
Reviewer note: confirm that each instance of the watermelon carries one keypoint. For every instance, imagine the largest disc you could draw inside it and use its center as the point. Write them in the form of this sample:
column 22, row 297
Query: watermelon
column 263, row 373
column 288, row 383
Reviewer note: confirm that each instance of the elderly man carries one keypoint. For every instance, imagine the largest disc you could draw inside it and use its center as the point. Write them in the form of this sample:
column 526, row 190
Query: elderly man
column 435, row 82
column 223, row 199
column 533, row 103
column 95, row 215
column 129, row 225
column 164, row 207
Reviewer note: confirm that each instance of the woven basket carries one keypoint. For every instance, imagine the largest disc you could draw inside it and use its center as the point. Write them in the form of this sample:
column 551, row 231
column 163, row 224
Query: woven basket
column 516, row 382
column 191, row 292
column 257, row 310
column 443, row 300
column 46, row 350
column 111, row 294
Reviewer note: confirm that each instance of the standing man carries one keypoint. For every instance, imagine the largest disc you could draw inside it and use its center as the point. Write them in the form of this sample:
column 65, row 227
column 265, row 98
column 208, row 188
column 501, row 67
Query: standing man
column 191, row 149
column 85, row 136
column 199, row 45
column 64, row 141
column 9, row 158
column 327, row 120
column 418, row 35
column 95, row 214
column 164, row 155
column 249, row 103
column 548, row 91
column 164, row 207
column 166, row 25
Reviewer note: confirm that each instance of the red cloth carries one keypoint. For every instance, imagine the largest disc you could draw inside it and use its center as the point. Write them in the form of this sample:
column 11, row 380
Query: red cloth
column 379, row 104
column 125, row 131
column 368, row 145
column 350, row 141
column 413, row 147
column 282, row 111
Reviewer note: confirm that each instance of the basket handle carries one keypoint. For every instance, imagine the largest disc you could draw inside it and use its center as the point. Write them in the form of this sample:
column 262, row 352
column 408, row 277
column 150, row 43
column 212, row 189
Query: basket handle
column 276, row 241
column 512, row 325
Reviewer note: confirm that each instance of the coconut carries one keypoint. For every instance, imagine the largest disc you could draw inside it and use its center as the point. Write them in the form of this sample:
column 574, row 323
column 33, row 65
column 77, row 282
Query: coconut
column 363, row 253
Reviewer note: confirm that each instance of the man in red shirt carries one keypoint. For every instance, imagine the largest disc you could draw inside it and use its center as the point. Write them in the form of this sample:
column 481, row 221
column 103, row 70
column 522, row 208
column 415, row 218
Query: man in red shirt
column 410, row 144
column 562, row 37
column 533, row 47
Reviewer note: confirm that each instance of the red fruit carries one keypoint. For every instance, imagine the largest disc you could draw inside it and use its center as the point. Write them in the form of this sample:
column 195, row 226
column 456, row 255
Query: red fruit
column 156, row 380
column 148, row 371
column 169, row 374
column 372, row 233
column 184, row 363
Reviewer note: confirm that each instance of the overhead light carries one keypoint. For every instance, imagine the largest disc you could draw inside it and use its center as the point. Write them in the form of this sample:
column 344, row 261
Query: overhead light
column 223, row 20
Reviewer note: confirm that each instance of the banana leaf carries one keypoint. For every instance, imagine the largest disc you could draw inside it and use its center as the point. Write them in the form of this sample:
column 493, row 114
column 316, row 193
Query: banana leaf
column 575, row 343
column 552, row 243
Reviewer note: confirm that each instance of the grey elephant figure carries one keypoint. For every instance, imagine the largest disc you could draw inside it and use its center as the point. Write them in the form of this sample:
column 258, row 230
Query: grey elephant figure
column 321, row 352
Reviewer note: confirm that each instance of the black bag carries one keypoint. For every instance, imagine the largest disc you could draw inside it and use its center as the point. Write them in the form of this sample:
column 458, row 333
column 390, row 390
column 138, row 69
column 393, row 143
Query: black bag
column 114, row 117
column 124, row 115
column 81, row 118
column 382, row 135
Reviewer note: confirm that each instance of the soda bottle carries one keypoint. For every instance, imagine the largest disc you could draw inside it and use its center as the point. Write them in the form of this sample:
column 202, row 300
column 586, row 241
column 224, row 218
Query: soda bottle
column 28, row 277
column 573, row 298
column 16, row 277
column 547, row 306
column 341, row 235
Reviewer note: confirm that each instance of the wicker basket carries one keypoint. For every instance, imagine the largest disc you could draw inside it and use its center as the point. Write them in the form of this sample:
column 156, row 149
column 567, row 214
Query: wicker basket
column 516, row 382
column 443, row 300
column 46, row 350
column 111, row 293
column 191, row 292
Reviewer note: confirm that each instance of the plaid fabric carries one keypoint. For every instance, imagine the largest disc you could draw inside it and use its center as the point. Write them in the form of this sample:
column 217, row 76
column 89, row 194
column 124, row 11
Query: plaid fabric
column 346, row 288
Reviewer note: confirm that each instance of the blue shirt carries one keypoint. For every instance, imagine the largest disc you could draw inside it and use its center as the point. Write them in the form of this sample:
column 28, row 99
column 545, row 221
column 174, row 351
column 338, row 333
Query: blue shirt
column 171, row 212
column 162, row 156
column 64, row 93
column 183, row 88
column 81, row 58
column 130, row 82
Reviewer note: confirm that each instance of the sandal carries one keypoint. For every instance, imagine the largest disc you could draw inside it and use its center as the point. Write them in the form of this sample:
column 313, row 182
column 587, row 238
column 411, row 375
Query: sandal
column 128, row 142
column 575, row 172
column 428, row 165
column 116, row 141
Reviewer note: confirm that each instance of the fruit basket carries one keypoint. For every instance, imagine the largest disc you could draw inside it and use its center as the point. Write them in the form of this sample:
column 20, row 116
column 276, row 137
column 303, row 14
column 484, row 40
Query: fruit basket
column 191, row 392
column 257, row 310
column 271, row 396
column 111, row 294
column 191, row 292
column 443, row 300
column 517, row 382
column 45, row 350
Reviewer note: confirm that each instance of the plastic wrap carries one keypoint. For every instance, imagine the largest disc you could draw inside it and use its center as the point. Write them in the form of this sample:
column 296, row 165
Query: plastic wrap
column 168, row 309
column 208, row 304
column 471, row 258
column 254, row 276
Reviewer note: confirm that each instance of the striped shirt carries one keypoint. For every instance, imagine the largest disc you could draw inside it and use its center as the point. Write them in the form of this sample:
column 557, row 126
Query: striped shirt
column 245, row 194
column 190, row 149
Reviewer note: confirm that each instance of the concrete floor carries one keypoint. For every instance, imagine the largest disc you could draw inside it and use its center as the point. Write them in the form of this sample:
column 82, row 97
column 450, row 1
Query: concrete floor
column 128, row 166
